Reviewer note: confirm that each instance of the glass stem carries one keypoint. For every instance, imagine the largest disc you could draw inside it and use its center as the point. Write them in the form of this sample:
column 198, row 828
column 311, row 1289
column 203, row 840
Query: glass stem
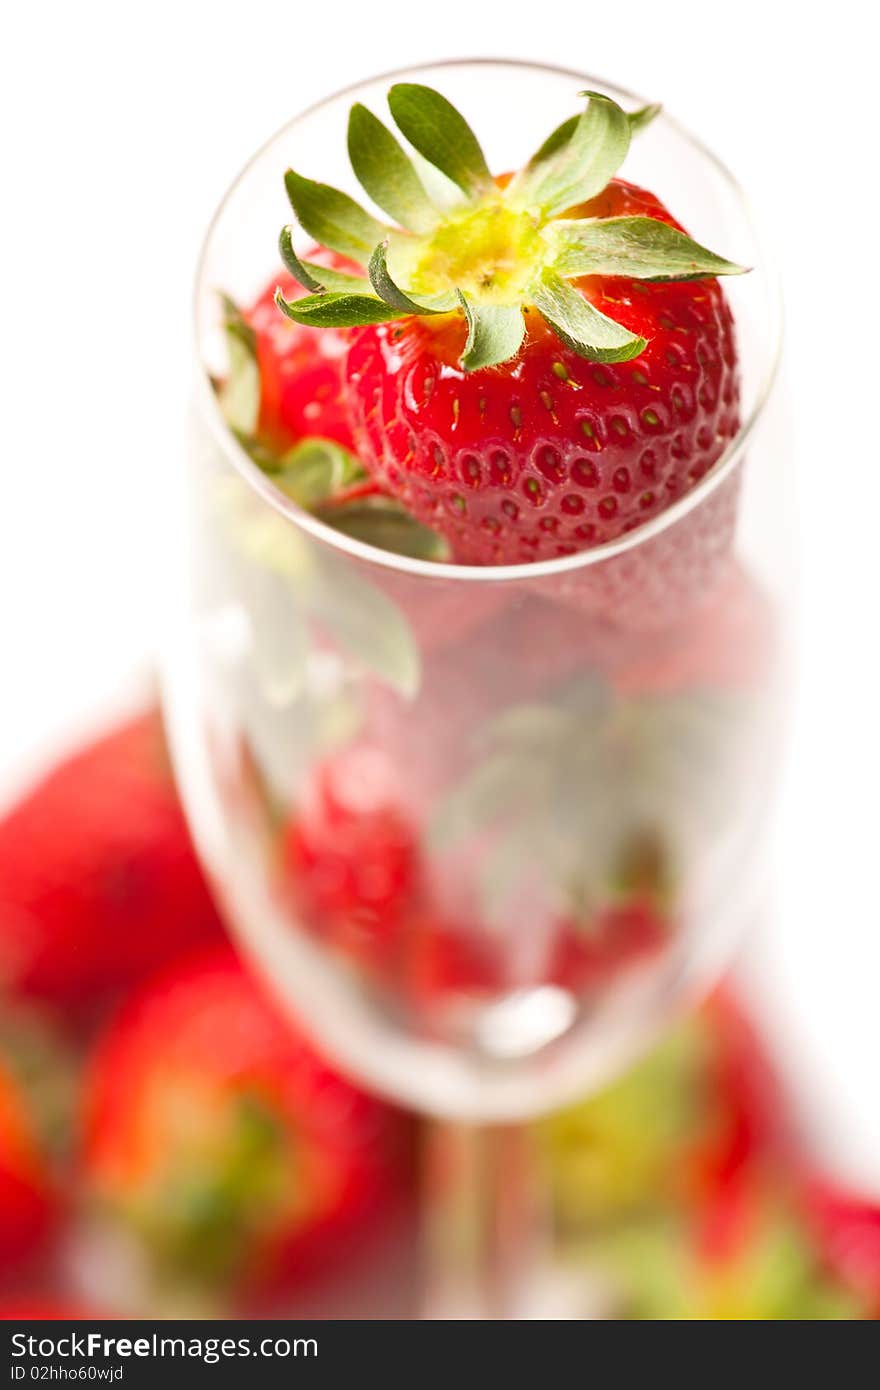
column 488, row 1236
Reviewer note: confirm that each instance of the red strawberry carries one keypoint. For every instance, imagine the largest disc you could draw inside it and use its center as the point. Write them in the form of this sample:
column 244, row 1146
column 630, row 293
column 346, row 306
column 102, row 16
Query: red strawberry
column 847, row 1227
column 216, row 1133
column 556, row 454
column 589, row 956
column 98, row 879
column 559, row 366
column 300, row 376
column 682, row 1141
column 28, row 1194
column 354, row 873
column 662, row 1137
column 444, row 962
column 351, row 859
column 750, row 1258
column 750, row 1126
column 283, row 397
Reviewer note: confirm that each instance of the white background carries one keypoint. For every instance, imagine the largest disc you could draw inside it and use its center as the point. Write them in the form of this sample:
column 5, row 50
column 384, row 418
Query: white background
column 121, row 127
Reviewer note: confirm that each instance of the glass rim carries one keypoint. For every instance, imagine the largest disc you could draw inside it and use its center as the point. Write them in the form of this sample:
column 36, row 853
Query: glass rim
column 523, row 571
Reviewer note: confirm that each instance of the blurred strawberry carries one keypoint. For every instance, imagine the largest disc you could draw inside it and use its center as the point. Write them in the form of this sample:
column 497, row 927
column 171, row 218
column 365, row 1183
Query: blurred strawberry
column 444, row 963
column 624, row 1149
column 697, row 1116
column 354, row 874
column 587, row 955
column 99, row 882
column 29, row 1201
column 351, row 858
column 748, row 1124
column 216, row 1135
column 758, row 1250
column 43, row 1308
column 766, row 1267
column 678, row 1178
column 847, row 1228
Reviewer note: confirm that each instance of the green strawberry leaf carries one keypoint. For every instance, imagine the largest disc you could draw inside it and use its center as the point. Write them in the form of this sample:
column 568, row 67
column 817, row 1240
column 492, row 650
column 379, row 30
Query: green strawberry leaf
column 390, row 293
column 315, row 470
column 302, row 272
column 335, row 310
column 580, row 326
column 573, row 170
column 554, row 143
column 444, row 194
column 317, row 278
column 239, row 393
column 382, row 522
column 441, row 135
column 315, row 474
column 638, row 120
column 236, row 325
column 386, row 173
column 495, row 333
column 643, row 248
column 332, row 218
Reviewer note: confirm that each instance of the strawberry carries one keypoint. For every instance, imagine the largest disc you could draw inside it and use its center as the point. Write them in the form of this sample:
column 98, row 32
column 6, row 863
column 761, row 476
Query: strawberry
column 847, row 1227
column 45, row 1308
column 586, row 957
column 700, row 1115
column 29, row 1203
column 765, row 1268
column 446, row 962
column 538, row 369
column 217, row 1136
column 351, row 859
column 354, row 873
column 749, row 1124
column 99, row 882
column 558, row 454
column 283, row 399
column 300, row 377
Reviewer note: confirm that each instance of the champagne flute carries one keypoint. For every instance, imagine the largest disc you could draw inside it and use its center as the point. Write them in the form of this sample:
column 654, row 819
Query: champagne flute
column 484, row 829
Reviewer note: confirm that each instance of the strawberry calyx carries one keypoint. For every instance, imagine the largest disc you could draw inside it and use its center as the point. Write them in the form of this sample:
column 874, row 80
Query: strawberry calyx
column 232, row 1184
column 489, row 249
